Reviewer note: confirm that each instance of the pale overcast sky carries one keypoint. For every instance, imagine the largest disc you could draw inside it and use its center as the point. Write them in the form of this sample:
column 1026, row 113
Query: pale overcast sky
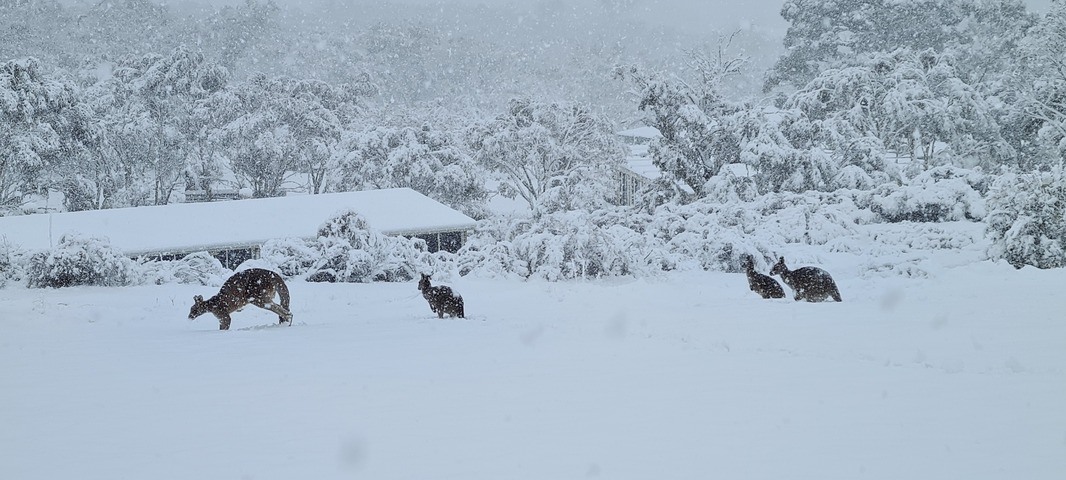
column 721, row 14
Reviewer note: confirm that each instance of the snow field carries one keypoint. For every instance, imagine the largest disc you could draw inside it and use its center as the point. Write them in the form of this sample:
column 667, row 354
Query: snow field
column 960, row 374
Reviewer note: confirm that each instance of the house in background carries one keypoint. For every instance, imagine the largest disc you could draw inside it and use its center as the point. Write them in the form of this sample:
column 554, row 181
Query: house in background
column 234, row 231
column 638, row 173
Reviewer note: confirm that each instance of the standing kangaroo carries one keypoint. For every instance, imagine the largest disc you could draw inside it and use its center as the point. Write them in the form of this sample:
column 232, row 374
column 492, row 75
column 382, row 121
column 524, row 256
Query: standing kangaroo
column 764, row 285
column 442, row 300
column 810, row 283
column 255, row 286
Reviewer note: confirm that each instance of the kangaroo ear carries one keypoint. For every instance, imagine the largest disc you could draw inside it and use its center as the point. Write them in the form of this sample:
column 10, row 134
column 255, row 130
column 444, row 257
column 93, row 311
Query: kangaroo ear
column 198, row 299
column 782, row 259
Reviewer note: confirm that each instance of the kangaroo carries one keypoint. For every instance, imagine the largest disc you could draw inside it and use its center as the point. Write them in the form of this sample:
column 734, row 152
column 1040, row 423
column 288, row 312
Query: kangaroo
column 810, row 283
column 255, row 286
column 764, row 285
column 442, row 300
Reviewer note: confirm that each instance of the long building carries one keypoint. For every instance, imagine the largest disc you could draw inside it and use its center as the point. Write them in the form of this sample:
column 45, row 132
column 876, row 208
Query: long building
column 242, row 225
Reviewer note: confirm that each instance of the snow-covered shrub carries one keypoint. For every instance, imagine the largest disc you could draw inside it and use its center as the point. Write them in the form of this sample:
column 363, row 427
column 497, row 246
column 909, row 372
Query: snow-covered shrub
column 12, row 263
column 80, row 260
column 734, row 183
column 483, row 255
column 487, row 251
column 713, row 248
column 863, row 160
column 617, row 241
column 854, row 177
column 291, row 257
column 563, row 245
column 712, row 236
column 812, row 218
column 908, row 268
column 576, row 245
column 198, row 268
column 940, row 194
column 716, row 236
column 345, row 250
column 903, row 249
column 353, row 252
column 1027, row 219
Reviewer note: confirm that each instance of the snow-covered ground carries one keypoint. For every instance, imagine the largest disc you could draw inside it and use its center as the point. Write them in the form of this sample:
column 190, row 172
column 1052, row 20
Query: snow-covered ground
column 957, row 373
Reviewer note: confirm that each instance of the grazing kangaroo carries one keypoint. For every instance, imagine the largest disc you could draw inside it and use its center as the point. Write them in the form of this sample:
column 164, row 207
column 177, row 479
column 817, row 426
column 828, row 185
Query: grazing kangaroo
column 810, row 283
column 255, row 286
column 442, row 300
column 764, row 285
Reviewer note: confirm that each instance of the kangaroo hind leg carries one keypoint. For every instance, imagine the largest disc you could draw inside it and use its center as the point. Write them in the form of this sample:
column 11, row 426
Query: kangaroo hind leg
column 284, row 315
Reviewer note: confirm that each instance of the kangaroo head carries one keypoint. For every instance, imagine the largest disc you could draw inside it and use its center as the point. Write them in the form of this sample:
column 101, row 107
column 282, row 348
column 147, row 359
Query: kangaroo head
column 199, row 307
column 779, row 267
column 748, row 262
column 424, row 282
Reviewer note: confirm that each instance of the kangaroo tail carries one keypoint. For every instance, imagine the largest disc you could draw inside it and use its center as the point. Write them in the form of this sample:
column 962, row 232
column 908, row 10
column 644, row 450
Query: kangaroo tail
column 283, row 291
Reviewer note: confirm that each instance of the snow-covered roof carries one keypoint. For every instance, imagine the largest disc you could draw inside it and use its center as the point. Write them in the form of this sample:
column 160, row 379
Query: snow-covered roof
column 193, row 227
column 643, row 166
column 639, row 163
column 641, row 132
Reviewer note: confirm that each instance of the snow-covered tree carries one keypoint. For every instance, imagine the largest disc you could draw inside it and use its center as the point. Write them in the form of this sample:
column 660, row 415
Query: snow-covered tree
column 911, row 102
column 145, row 107
column 702, row 132
column 556, row 156
column 116, row 29
column 318, row 114
column 831, row 34
column 259, row 136
column 271, row 128
column 401, row 50
column 1027, row 218
column 35, row 28
column 235, row 34
column 41, row 125
column 1041, row 121
column 694, row 118
column 431, row 160
column 781, row 152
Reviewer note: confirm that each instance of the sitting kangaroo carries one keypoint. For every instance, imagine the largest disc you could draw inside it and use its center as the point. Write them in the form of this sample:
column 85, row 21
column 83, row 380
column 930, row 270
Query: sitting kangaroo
column 810, row 283
column 255, row 286
column 764, row 285
column 442, row 300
